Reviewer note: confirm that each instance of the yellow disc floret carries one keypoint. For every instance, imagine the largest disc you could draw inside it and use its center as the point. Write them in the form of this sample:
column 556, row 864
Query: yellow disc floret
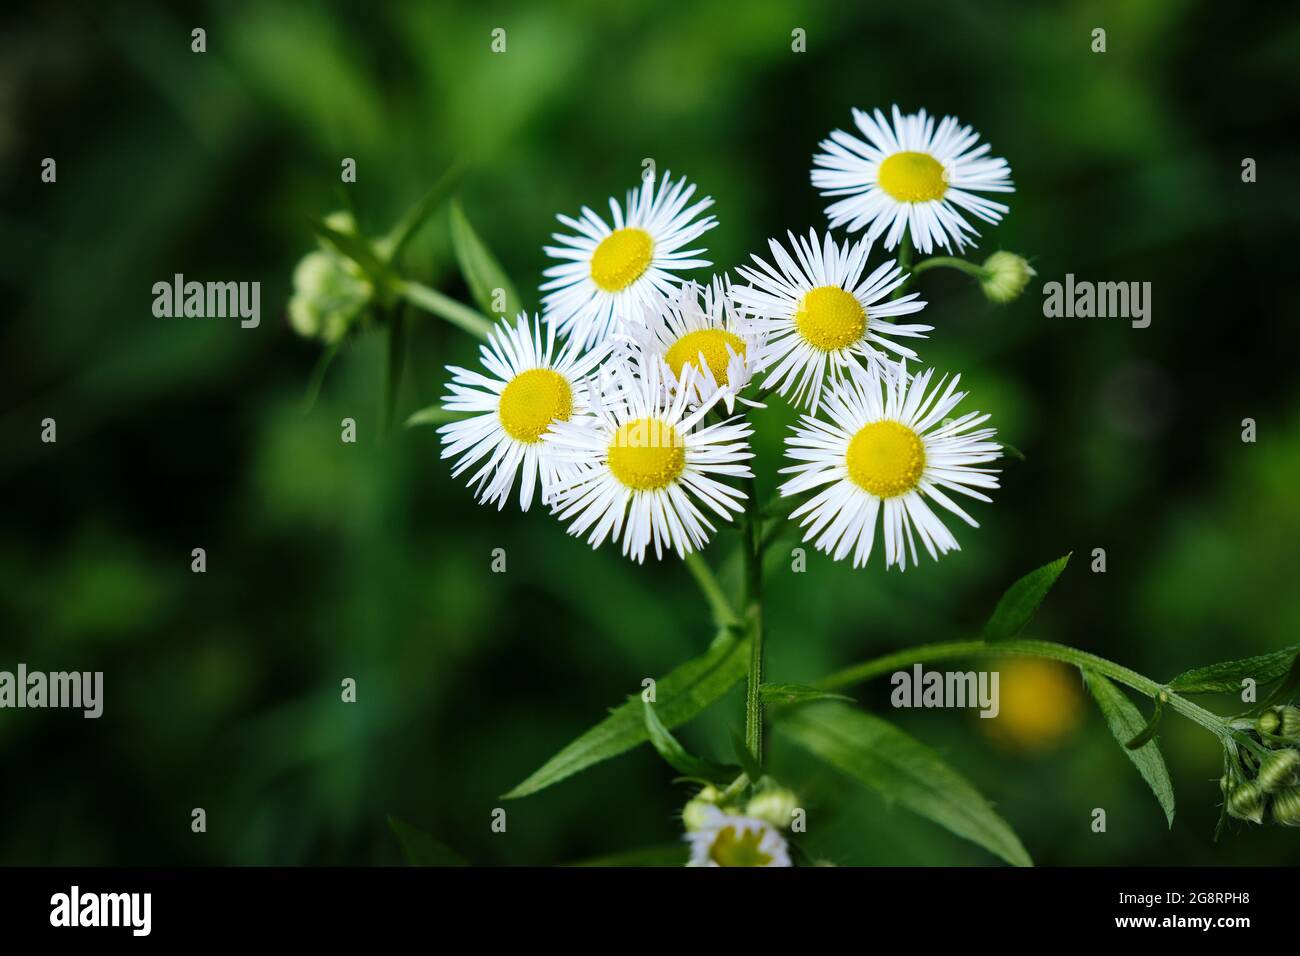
column 912, row 177
column 621, row 258
column 532, row 401
column 830, row 318
column 647, row 454
column 712, row 344
column 886, row 459
column 738, row 849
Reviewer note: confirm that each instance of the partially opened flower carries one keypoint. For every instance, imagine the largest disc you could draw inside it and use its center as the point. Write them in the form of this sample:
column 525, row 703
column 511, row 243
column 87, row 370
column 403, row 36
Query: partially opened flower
column 819, row 314
column 647, row 465
column 726, row 840
column 701, row 329
column 910, row 177
column 889, row 450
column 527, row 388
column 610, row 273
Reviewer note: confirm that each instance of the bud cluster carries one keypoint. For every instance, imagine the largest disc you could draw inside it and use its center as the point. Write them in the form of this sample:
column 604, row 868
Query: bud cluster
column 1267, row 788
column 772, row 804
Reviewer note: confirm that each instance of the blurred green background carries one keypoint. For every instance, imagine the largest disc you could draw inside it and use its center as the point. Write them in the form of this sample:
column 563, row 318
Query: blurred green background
column 328, row 560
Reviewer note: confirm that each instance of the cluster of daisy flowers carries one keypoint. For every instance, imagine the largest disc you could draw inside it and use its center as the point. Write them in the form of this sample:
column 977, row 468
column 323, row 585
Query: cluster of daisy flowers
column 623, row 404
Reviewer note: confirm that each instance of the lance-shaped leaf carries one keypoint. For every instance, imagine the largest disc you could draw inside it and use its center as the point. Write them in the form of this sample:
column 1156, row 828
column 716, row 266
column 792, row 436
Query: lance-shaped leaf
column 1020, row 602
column 678, row 757
column 436, row 415
column 1226, row 677
column 487, row 281
column 778, row 694
column 681, row 695
column 903, row 770
column 1126, row 723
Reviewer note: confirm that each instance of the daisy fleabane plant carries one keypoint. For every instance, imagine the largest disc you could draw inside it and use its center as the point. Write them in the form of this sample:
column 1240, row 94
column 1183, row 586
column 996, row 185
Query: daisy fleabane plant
column 610, row 273
column 819, row 314
column 524, row 389
column 910, row 177
column 702, row 329
column 646, row 463
column 888, row 450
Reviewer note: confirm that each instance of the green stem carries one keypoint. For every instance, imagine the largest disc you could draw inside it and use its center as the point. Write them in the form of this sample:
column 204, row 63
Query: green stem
column 723, row 613
column 753, row 538
column 951, row 262
column 1058, row 652
column 444, row 307
column 904, row 263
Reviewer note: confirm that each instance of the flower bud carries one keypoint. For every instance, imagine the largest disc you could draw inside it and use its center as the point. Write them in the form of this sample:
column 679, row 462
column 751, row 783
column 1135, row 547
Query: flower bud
column 1268, row 722
column 697, row 812
column 1246, row 802
column 1285, row 808
column 1288, row 721
column 1005, row 277
column 1278, row 770
column 329, row 292
column 775, row 806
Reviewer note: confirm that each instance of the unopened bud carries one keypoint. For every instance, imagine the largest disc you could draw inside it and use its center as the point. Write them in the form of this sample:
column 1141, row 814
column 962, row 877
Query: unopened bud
column 697, row 811
column 1005, row 277
column 1246, row 802
column 1285, row 807
column 775, row 806
column 1268, row 722
column 1278, row 770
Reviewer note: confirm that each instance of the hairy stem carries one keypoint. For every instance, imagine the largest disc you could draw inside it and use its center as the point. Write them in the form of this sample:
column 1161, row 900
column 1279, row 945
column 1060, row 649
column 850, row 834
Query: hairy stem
column 1058, row 652
column 753, row 549
column 445, row 307
column 951, row 262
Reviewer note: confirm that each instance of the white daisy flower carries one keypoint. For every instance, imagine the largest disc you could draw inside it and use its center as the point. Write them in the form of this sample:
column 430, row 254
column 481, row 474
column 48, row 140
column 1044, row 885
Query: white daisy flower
column 645, row 464
column 818, row 314
column 609, row 275
column 911, row 177
column 701, row 329
column 889, row 449
column 526, row 390
column 726, row 840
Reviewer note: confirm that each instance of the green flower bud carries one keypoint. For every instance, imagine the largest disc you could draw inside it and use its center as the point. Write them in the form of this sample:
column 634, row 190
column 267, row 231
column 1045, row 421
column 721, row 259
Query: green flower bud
column 1288, row 721
column 330, row 292
column 1268, row 722
column 1286, row 807
column 696, row 812
column 1278, row 770
column 1246, row 802
column 1006, row 275
column 775, row 806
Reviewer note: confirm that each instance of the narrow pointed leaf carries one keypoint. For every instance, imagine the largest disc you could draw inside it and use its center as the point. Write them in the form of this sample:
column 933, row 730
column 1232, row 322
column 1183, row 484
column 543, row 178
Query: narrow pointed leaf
column 435, row 415
column 900, row 768
column 1226, row 677
column 778, row 694
column 1126, row 722
column 1020, row 602
column 410, row 224
column 678, row 757
column 1148, row 732
column 682, row 695
column 487, row 281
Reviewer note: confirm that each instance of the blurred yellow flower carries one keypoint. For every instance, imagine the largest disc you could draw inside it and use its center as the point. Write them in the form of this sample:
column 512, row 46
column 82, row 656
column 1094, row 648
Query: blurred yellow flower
column 1041, row 704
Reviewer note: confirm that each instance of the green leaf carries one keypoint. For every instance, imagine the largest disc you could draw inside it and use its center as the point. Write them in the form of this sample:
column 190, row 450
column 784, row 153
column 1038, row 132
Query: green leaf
column 669, row 854
column 748, row 762
column 420, row 849
column 678, row 757
column 1126, row 722
column 436, row 415
column 420, row 213
column 1148, row 732
column 778, row 694
column 1011, row 451
column 682, row 694
column 900, row 768
column 1021, row 601
column 1226, row 677
column 483, row 273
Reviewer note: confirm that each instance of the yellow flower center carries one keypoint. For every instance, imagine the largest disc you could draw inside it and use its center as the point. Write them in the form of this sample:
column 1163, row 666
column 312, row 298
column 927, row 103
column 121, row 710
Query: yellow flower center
column 712, row 344
column 912, row 177
column 830, row 318
column 738, row 849
column 532, row 401
column 620, row 258
column 1040, row 704
column 886, row 459
column 647, row 454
